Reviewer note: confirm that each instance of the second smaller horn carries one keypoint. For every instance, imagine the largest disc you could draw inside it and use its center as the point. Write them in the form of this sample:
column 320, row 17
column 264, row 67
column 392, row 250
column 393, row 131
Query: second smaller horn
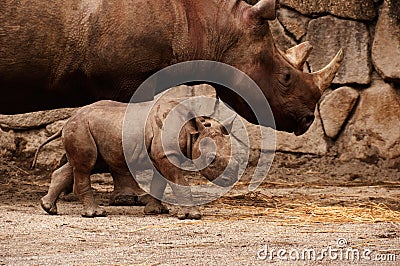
column 324, row 77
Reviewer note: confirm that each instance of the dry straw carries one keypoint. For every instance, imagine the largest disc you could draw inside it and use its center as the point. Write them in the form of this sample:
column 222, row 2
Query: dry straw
column 301, row 213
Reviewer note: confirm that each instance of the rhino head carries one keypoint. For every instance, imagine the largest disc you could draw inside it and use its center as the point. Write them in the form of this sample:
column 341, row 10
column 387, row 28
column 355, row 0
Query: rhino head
column 211, row 151
column 291, row 93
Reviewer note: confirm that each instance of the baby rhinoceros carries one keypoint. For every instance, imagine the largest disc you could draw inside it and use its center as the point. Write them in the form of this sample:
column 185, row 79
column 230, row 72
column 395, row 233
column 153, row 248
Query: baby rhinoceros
column 94, row 136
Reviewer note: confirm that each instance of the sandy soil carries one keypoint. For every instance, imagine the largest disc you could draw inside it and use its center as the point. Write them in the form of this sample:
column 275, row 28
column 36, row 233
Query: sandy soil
column 306, row 202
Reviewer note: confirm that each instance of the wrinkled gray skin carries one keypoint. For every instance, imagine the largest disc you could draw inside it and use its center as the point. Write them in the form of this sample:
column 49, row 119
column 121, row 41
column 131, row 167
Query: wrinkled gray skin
column 93, row 139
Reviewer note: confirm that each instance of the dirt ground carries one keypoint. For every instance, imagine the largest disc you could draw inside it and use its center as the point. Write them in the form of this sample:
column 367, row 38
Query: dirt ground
column 306, row 204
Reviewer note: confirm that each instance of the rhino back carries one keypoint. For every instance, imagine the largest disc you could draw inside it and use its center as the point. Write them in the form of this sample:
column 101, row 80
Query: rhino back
column 127, row 37
column 41, row 41
column 70, row 53
column 33, row 36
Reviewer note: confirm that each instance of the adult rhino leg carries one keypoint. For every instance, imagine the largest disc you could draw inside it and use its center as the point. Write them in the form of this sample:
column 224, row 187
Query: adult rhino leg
column 61, row 181
column 127, row 191
column 157, row 187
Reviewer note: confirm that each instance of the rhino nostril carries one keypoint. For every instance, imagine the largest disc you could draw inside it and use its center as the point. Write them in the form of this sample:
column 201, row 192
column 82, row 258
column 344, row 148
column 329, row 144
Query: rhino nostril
column 309, row 120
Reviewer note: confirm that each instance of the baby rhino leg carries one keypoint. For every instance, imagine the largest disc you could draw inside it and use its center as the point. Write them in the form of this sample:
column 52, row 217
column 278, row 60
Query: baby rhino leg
column 183, row 195
column 126, row 190
column 180, row 187
column 157, row 187
column 61, row 181
column 83, row 190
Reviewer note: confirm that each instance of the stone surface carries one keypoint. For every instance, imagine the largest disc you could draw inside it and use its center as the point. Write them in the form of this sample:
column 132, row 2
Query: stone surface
column 328, row 34
column 293, row 22
column 7, row 143
column 386, row 46
column 183, row 91
column 374, row 129
column 35, row 119
column 282, row 41
column 312, row 142
column 354, row 9
column 335, row 109
column 56, row 126
column 30, row 140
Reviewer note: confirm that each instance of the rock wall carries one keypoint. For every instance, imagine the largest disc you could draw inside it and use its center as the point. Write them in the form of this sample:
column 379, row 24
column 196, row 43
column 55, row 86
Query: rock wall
column 359, row 117
column 20, row 135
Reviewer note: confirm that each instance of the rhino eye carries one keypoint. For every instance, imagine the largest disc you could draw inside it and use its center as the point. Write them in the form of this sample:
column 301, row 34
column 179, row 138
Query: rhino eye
column 286, row 78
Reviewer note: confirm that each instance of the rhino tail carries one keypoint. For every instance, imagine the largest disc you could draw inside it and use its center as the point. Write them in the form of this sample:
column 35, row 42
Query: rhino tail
column 51, row 138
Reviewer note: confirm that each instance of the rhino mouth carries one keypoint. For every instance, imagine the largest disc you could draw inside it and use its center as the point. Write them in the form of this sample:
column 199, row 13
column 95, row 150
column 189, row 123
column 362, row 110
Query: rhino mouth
column 304, row 124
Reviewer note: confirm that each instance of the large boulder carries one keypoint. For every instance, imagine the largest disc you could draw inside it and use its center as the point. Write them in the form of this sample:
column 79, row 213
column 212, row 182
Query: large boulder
column 282, row 41
column 374, row 129
column 30, row 140
column 294, row 22
column 386, row 46
column 354, row 9
column 7, row 143
column 335, row 109
column 328, row 34
column 312, row 142
column 31, row 130
column 35, row 119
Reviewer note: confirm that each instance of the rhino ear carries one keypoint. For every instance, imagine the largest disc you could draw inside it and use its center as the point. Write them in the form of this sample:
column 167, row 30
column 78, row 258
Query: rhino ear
column 227, row 124
column 264, row 9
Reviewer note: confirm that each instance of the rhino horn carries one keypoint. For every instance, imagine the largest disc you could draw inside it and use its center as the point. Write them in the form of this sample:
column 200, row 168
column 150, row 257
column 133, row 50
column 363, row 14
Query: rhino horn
column 227, row 124
column 264, row 9
column 298, row 54
column 324, row 77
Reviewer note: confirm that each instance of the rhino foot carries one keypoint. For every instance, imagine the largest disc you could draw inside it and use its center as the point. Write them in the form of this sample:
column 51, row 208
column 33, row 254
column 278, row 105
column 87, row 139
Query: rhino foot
column 155, row 207
column 189, row 213
column 123, row 200
column 144, row 200
column 49, row 207
column 95, row 212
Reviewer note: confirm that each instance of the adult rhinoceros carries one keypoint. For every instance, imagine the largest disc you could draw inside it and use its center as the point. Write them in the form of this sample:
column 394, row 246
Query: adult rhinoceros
column 73, row 52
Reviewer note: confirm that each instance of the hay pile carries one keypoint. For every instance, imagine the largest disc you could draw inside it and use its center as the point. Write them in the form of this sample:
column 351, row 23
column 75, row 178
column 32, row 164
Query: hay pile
column 302, row 213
